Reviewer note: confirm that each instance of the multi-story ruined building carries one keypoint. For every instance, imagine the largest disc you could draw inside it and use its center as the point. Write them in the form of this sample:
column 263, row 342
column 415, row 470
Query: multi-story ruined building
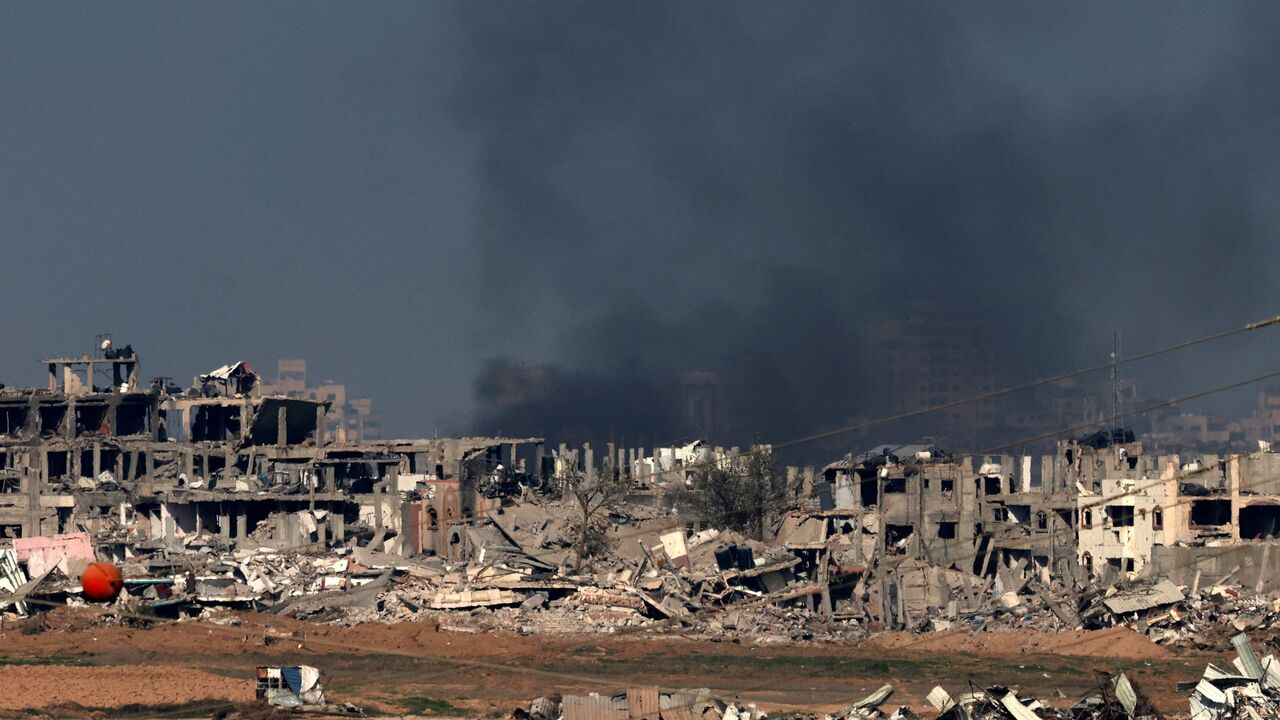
column 1098, row 508
column 147, row 467
column 969, row 513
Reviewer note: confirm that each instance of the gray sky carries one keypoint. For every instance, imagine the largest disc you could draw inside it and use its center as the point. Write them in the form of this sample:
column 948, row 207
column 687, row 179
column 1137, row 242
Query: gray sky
column 218, row 181
column 401, row 193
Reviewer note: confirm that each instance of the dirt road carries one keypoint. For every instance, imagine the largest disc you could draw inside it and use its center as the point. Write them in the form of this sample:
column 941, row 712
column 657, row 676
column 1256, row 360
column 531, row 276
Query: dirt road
column 82, row 661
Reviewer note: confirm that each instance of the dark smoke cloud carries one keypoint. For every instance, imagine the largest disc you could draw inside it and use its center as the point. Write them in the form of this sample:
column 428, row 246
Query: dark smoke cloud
column 668, row 187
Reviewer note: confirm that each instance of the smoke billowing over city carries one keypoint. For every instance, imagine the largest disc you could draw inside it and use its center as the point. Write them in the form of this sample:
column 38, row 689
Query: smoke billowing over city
column 740, row 191
column 644, row 222
column 658, row 360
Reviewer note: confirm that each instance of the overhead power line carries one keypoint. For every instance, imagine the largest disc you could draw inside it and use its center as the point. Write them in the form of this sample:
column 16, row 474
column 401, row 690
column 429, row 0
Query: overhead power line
column 1110, row 364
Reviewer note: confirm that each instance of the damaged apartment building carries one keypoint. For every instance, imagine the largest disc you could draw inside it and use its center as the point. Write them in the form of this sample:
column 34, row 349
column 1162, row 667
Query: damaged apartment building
column 147, row 467
column 1096, row 510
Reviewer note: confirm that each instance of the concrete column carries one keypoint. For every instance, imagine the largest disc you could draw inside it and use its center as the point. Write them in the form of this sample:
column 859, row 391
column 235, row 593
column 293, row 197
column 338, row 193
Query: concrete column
column 320, row 428
column 113, row 415
column 33, row 416
column 242, row 525
column 246, row 417
column 393, row 477
column 282, row 426
column 32, row 524
column 153, row 423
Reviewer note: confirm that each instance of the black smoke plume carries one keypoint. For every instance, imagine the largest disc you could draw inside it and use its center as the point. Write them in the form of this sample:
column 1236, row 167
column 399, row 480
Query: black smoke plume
column 739, row 189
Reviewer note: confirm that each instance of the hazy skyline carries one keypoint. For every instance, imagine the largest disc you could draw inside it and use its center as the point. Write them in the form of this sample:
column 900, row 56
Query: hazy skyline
column 408, row 194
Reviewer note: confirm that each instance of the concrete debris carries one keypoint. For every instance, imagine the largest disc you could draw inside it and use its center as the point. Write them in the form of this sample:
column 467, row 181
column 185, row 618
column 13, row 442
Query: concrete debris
column 1115, row 699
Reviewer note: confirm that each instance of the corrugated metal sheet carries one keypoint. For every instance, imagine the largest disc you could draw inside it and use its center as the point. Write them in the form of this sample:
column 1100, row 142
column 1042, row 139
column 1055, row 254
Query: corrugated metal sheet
column 594, row 707
column 11, row 576
column 1248, row 658
column 1017, row 709
column 1162, row 593
column 940, row 699
column 694, row 699
column 1125, row 693
column 642, row 703
column 680, row 713
column 876, row 698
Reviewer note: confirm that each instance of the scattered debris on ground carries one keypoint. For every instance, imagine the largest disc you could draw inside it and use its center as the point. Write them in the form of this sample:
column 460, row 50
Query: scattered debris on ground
column 1117, row 698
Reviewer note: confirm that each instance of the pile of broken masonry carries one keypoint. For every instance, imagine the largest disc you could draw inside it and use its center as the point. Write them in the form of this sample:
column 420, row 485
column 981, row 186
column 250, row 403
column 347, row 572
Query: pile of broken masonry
column 513, row 570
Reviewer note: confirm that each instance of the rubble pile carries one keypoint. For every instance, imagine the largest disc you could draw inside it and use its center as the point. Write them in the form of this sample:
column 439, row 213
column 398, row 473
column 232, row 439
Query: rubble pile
column 839, row 562
column 1116, row 699
column 515, row 573
column 1190, row 618
column 1251, row 689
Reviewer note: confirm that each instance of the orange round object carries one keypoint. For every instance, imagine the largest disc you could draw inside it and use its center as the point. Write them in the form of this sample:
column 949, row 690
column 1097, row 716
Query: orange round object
column 101, row 582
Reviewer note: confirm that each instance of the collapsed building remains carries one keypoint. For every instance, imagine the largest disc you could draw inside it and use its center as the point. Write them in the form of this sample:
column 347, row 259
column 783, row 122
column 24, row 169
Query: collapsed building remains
column 221, row 495
column 219, row 465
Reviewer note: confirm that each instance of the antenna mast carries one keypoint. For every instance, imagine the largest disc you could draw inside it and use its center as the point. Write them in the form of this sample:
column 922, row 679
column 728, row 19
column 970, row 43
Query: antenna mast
column 1115, row 380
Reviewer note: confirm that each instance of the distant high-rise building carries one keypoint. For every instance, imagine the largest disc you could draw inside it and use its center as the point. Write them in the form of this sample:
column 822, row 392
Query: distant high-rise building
column 291, row 378
column 923, row 362
column 347, row 420
column 1266, row 418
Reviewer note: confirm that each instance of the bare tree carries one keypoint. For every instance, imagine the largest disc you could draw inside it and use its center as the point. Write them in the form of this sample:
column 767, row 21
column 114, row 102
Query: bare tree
column 742, row 493
column 593, row 496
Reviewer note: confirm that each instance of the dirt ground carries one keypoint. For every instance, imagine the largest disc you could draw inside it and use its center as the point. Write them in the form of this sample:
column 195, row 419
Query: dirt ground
column 78, row 661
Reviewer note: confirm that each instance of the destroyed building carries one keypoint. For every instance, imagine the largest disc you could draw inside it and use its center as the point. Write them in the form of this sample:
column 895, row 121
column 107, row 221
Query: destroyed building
column 142, row 467
column 221, row 493
column 1097, row 512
